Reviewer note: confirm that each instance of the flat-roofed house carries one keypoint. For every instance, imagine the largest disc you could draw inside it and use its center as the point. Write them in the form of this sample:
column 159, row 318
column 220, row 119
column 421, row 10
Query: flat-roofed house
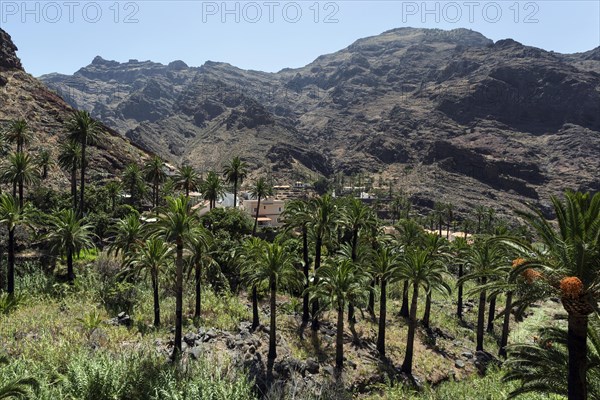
column 269, row 213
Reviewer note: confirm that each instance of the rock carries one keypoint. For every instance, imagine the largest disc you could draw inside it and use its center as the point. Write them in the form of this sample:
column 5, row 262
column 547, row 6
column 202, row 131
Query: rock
column 467, row 354
column 190, row 338
column 121, row 315
column 330, row 370
column 483, row 360
column 195, row 352
column 312, row 366
column 459, row 364
column 8, row 52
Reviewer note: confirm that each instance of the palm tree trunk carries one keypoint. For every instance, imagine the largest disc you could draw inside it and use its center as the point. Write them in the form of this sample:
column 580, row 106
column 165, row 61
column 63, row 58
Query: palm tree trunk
column 235, row 193
column 506, row 324
column 491, row 315
column 404, row 307
column 371, row 302
column 156, row 300
column 70, row 272
column 272, row 337
column 197, row 282
column 427, row 313
column 14, row 189
column 577, row 346
column 82, row 185
column 11, row 262
column 21, row 193
column 339, row 339
column 412, row 326
column 305, row 305
column 459, row 303
column 178, row 299
column 255, row 319
column 256, row 218
column 351, row 317
column 315, row 305
column 382, row 317
column 481, row 317
column 74, row 188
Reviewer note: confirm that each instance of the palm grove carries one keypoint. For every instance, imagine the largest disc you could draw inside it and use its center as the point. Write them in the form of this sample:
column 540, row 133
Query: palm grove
column 334, row 255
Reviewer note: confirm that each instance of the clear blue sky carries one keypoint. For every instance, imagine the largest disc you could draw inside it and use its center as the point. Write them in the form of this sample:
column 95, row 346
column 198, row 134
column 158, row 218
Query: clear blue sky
column 64, row 35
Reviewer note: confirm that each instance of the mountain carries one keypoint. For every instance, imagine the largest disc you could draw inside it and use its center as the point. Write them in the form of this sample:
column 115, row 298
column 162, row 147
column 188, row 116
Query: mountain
column 23, row 96
column 446, row 115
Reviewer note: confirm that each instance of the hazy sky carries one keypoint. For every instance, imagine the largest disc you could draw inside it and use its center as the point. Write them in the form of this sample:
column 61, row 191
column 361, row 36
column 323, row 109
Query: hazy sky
column 62, row 36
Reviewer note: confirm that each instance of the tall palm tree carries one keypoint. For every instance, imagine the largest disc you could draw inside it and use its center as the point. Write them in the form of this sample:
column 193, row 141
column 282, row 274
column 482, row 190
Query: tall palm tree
column 356, row 216
column 186, row 178
column 275, row 267
column 19, row 171
column 18, row 132
column 480, row 212
column 568, row 258
column 155, row 174
column 134, row 183
column 43, row 161
column 153, row 256
column 213, row 189
column 297, row 216
column 69, row 158
column 68, row 235
column 421, row 270
column 459, row 249
column 410, row 233
column 324, row 215
column 198, row 244
column 383, row 266
column 113, row 188
column 234, row 173
column 175, row 224
column 340, row 282
column 438, row 249
column 260, row 190
column 449, row 218
column 484, row 261
column 11, row 216
column 83, row 129
column 252, row 249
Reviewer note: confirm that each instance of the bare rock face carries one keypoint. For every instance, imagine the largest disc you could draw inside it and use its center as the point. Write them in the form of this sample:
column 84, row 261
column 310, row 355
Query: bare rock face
column 8, row 52
column 446, row 115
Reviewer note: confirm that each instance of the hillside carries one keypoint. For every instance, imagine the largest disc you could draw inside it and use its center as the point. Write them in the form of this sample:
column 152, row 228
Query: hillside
column 23, row 96
column 446, row 115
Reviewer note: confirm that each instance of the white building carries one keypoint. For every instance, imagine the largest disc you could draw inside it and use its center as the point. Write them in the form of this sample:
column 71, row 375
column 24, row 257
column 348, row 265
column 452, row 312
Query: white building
column 269, row 213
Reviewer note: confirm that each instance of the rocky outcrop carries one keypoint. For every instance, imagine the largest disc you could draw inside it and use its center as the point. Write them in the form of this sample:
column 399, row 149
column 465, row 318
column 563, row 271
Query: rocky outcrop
column 8, row 52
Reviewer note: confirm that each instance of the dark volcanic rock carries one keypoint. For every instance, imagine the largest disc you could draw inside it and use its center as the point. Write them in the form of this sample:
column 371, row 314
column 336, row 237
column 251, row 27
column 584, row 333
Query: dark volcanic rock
column 8, row 52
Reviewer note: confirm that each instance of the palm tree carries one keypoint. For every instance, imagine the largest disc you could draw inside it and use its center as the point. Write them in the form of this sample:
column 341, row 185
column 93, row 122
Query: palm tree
column 153, row 255
column 113, row 188
column 324, row 213
column 69, row 158
column 459, row 250
column 420, row 269
column 133, row 181
column 480, row 212
column 340, row 282
column 297, row 216
column 275, row 267
column 383, row 266
column 127, row 234
column 410, row 233
column 484, row 261
column 155, row 174
column 568, row 258
column 260, row 190
column 438, row 249
column 11, row 216
column 199, row 245
column 68, row 235
column 235, row 173
column 175, row 224
column 18, row 132
column 356, row 217
column 83, row 129
column 440, row 212
column 19, row 171
column 186, row 178
column 43, row 161
column 250, row 254
column 212, row 188
column 449, row 218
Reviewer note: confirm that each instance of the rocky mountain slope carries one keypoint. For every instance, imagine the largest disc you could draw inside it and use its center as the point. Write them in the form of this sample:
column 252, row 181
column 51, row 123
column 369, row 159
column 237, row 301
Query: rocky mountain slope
column 446, row 115
column 23, row 96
